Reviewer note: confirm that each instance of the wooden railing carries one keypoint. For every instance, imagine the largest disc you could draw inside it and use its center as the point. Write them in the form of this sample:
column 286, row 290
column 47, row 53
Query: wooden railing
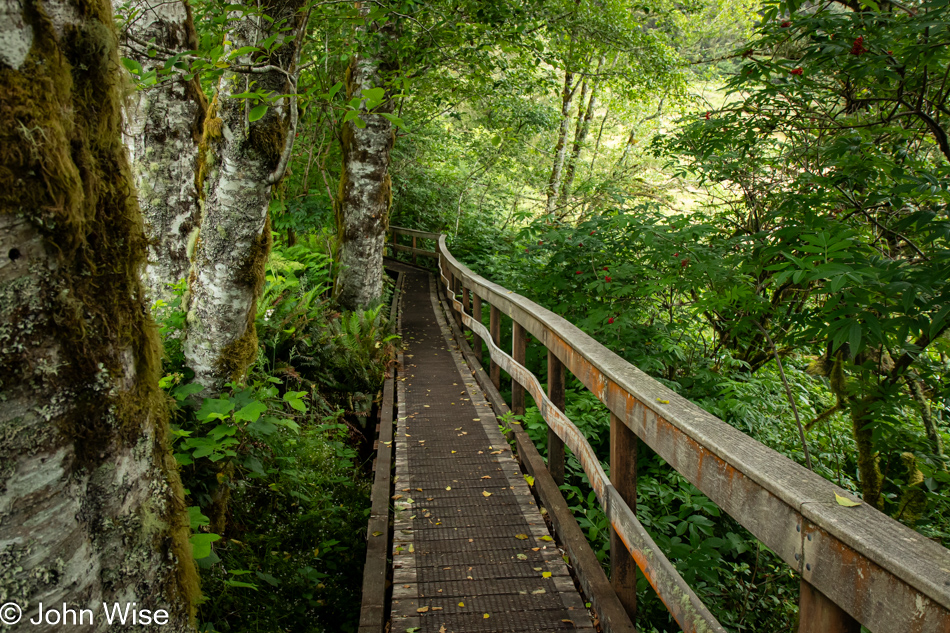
column 414, row 250
column 857, row 565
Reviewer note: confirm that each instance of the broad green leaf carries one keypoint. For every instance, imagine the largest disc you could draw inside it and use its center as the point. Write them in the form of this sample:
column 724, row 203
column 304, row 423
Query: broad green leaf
column 257, row 112
column 201, row 544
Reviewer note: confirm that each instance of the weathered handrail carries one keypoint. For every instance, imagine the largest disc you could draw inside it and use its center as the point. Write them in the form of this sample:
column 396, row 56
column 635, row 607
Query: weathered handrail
column 687, row 609
column 424, row 235
column 415, row 235
column 857, row 565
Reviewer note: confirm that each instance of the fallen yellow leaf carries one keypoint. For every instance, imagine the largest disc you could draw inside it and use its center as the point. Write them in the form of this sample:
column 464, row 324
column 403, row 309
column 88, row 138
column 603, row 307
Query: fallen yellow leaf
column 486, row 494
column 844, row 501
column 521, row 537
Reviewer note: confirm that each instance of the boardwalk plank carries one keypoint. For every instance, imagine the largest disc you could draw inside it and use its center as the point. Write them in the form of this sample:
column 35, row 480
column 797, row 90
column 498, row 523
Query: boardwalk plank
column 460, row 554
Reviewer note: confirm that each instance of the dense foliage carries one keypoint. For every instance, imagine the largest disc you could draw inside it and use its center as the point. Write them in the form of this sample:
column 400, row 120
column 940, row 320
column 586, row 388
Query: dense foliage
column 746, row 200
column 273, row 467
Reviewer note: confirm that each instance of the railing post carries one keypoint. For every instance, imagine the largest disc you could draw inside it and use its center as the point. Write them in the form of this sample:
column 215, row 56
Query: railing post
column 494, row 328
column 395, row 242
column 623, row 476
column 466, row 303
column 456, row 286
column 518, row 352
column 818, row 614
column 477, row 315
column 413, row 250
column 556, row 394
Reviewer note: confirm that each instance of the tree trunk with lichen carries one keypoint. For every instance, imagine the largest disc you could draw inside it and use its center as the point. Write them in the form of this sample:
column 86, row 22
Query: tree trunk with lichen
column 239, row 161
column 560, row 148
column 585, row 114
column 91, row 506
column 162, row 133
column 365, row 196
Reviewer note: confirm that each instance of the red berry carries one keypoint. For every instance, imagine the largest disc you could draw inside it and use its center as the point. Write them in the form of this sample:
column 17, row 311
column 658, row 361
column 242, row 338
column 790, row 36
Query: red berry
column 581, row 244
column 591, row 232
column 605, row 268
column 707, row 116
column 676, row 254
column 786, row 24
column 607, row 279
column 578, row 272
column 858, row 47
column 684, row 263
column 540, row 242
column 796, row 71
column 610, row 320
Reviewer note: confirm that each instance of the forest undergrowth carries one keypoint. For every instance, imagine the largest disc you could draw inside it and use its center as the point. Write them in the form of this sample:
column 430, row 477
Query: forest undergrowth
column 275, row 467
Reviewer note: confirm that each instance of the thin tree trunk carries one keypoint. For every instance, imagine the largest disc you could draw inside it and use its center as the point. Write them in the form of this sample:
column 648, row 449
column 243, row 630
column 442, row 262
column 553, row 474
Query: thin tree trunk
column 585, row 114
column 164, row 127
column 554, row 183
column 869, row 468
column 91, row 506
column 240, row 162
column 365, row 197
column 600, row 135
column 926, row 416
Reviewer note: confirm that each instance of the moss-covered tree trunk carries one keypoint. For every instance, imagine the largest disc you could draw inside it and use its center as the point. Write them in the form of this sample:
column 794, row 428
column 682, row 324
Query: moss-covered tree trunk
column 365, row 195
column 162, row 133
column 91, row 506
column 239, row 162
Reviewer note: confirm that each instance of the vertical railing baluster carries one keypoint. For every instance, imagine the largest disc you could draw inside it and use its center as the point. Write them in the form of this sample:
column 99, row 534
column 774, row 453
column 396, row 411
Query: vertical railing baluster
column 556, row 394
column 413, row 250
column 818, row 614
column 518, row 351
column 494, row 328
column 623, row 476
column 466, row 303
column 477, row 315
column 456, row 286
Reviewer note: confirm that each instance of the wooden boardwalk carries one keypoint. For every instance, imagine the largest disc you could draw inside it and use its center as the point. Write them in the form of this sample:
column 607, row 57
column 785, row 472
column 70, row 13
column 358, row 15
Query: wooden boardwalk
column 471, row 551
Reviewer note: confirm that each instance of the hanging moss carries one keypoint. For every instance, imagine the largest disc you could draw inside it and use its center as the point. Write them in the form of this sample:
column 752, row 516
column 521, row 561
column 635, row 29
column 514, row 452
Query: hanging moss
column 64, row 174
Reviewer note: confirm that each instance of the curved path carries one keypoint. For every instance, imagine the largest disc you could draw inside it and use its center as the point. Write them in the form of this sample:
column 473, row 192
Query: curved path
column 471, row 551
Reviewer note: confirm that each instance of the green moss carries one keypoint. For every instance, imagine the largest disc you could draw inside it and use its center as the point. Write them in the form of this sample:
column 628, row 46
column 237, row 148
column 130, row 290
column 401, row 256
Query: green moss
column 64, row 171
column 267, row 137
column 238, row 355
column 869, row 467
column 212, row 128
column 914, row 499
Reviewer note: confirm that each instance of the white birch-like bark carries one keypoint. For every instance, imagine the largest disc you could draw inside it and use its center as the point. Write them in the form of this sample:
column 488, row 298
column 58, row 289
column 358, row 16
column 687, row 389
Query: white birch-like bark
column 585, row 114
column 240, row 167
column 91, row 507
column 163, row 128
column 554, row 183
column 365, row 187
